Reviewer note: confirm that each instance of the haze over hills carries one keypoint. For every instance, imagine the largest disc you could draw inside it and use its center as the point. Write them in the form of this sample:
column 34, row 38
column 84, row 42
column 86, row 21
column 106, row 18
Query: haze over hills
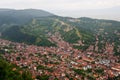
column 106, row 13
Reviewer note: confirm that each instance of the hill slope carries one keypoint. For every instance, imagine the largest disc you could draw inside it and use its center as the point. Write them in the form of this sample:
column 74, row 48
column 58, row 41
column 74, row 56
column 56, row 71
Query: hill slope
column 11, row 17
column 82, row 33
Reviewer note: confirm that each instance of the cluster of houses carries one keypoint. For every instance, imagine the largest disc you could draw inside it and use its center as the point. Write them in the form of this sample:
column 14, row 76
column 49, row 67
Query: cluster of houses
column 61, row 62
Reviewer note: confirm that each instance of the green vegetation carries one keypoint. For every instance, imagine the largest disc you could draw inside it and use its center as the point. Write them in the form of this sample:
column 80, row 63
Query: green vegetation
column 43, row 77
column 80, row 72
column 70, row 36
column 99, row 71
column 11, row 72
column 84, row 29
column 44, row 68
column 15, row 34
column 84, row 73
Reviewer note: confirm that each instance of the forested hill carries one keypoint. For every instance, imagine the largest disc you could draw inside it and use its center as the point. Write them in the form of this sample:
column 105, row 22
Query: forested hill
column 36, row 26
column 11, row 16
